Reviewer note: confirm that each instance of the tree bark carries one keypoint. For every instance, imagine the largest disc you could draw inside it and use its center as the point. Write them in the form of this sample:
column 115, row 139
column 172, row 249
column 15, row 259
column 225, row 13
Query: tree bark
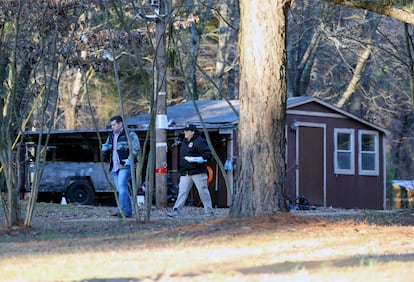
column 260, row 185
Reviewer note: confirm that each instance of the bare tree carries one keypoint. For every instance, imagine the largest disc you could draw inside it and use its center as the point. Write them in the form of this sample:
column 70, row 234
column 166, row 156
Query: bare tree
column 228, row 16
column 20, row 52
column 71, row 88
column 305, row 25
column 365, row 53
column 402, row 126
column 31, row 50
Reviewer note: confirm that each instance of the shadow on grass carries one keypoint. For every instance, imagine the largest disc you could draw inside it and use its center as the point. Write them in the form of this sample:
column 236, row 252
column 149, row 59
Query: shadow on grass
column 112, row 280
column 352, row 261
column 287, row 267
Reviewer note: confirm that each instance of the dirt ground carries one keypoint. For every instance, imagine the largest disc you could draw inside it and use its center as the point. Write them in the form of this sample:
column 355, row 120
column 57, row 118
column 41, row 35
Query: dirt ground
column 314, row 245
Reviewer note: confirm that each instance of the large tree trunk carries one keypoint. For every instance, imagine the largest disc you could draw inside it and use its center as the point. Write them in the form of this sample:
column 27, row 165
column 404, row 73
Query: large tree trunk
column 260, row 187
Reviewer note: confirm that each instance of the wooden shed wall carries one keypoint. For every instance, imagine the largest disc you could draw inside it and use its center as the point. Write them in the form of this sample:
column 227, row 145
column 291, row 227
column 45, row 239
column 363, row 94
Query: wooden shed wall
column 343, row 191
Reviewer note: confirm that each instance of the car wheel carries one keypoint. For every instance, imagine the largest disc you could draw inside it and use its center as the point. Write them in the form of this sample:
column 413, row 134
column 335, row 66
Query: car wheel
column 80, row 193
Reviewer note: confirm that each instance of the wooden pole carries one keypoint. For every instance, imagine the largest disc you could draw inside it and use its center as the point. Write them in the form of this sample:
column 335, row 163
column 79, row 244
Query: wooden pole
column 161, row 122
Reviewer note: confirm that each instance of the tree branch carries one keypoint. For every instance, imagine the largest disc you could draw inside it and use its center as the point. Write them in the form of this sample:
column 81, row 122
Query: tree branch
column 384, row 9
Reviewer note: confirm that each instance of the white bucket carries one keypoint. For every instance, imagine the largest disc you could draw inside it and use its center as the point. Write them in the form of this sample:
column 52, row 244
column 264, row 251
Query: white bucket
column 140, row 200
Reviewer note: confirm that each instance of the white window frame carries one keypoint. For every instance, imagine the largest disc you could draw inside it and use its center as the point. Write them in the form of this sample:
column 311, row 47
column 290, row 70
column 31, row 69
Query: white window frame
column 351, row 132
column 376, row 152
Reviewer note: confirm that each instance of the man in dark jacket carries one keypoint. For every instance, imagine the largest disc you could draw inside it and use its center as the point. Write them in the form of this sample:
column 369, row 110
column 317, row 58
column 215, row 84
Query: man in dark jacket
column 121, row 160
column 194, row 153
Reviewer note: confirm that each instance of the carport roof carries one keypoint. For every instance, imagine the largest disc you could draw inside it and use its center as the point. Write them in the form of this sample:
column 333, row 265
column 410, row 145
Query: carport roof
column 215, row 113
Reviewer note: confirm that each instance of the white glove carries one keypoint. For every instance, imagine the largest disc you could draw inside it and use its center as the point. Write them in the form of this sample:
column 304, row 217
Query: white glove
column 105, row 147
column 194, row 159
column 126, row 162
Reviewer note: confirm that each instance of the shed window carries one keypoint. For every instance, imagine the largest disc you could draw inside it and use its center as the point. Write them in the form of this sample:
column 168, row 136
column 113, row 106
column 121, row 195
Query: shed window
column 344, row 151
column 368, row 152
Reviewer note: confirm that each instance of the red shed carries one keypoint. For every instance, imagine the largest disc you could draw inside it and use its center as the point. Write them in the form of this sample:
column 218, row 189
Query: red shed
column 333, row 157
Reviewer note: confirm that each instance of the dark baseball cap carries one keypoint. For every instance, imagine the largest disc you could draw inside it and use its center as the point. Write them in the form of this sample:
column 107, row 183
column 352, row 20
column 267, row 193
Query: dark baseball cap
column 191, row 127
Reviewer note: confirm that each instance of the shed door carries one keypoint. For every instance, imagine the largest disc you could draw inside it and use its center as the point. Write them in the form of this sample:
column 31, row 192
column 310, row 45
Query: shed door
column 311, row 164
